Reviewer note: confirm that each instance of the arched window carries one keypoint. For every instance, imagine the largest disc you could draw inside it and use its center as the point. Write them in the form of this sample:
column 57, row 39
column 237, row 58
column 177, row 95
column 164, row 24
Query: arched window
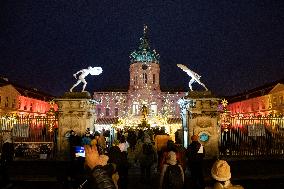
column 154, row 78
column 144, row 77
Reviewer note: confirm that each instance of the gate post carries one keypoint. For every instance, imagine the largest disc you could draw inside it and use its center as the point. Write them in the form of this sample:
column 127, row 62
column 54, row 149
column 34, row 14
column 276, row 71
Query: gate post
column 201, row 118
column 76, row 112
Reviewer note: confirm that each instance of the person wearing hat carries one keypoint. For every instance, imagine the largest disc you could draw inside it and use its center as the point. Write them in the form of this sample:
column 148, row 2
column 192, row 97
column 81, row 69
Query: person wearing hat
column 195, row 154
column 221, row 172
column 175, row 179
column 99, row 176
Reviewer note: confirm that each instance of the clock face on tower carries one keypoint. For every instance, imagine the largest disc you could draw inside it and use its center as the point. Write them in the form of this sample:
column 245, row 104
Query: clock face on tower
column 144, row 66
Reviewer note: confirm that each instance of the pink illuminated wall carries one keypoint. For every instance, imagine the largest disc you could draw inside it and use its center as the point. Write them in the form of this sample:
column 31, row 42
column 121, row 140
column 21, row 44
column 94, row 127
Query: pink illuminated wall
column 34, row 106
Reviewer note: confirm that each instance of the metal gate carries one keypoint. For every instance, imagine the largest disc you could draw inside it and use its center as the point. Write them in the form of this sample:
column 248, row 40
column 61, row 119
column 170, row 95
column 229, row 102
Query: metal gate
column 252, row 137
column 32, row 136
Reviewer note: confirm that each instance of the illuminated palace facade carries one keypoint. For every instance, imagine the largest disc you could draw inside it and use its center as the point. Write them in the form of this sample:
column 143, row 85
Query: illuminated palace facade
column 20, row 101
column 261, row 102
column 124, row 108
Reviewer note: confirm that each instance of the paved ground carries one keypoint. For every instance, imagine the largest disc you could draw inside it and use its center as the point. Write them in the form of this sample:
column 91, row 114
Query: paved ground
column 60, row 175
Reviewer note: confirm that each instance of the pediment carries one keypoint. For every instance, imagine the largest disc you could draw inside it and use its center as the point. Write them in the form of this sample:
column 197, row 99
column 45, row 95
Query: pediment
column 279, row 87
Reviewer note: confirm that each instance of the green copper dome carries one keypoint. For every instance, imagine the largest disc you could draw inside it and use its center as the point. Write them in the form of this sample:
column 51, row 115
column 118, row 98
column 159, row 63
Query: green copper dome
column 144, row 53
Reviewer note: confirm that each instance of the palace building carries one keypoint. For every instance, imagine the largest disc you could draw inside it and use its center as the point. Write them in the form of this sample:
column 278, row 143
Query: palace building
column 22, row 101
column 144, row 99
column 267, row 100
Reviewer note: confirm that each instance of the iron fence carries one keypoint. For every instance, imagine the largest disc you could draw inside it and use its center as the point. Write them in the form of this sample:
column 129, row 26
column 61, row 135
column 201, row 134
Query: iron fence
column 31, row 136
column 252, row 138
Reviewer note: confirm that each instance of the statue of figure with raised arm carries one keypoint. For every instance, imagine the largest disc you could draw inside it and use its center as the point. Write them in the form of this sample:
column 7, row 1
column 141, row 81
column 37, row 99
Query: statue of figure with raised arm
column 83, row 74
column 194, row 76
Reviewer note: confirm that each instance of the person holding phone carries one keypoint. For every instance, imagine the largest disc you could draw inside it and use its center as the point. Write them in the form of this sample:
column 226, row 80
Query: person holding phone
column 99, row 176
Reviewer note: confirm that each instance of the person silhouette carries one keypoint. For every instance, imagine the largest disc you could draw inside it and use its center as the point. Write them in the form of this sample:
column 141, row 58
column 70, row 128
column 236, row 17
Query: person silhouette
column 194, row 76
column 84, row 73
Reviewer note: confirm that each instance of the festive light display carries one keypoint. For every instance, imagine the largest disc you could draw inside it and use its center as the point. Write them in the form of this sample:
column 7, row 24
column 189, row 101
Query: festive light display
column 144, row 91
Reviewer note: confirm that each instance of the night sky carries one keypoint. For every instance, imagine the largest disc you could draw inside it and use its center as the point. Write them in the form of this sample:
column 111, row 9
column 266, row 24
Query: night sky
column 234, row 46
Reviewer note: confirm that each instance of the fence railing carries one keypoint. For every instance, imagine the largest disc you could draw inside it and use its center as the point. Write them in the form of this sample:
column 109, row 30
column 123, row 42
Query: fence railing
column 31, row 136
column 253, row 137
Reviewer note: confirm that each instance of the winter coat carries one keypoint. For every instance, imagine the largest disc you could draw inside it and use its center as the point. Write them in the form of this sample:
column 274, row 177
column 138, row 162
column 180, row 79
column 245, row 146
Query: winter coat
column 100, row 179
column 165, row 168
column 193, row 153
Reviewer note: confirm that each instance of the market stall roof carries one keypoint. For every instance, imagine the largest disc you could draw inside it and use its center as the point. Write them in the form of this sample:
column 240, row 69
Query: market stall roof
column 174, row 120
column 107, row 121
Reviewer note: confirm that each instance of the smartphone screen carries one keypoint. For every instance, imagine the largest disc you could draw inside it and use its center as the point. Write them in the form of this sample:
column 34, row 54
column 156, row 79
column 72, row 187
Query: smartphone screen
column 79, row 151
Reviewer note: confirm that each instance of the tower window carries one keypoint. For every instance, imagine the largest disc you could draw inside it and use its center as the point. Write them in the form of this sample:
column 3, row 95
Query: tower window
column 116, row 112
column 135, row 80
column 154, row 78
column 144, row 77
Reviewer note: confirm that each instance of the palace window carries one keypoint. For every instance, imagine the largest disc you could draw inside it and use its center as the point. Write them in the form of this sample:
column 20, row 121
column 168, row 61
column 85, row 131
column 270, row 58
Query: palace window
column 116, row 112
column 14, row 103
column 107, row 111
column 281, row 100
column 135, row 108
column 31, row 107
column 153, row 108
column 7, row 102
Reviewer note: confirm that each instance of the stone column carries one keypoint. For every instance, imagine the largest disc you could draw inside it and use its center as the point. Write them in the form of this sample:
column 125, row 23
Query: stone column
column 77, row 113
column 184, row 104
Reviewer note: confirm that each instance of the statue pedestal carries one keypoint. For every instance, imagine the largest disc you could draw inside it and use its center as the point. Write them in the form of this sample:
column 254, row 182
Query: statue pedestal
column 200, row 117
column 76, row 112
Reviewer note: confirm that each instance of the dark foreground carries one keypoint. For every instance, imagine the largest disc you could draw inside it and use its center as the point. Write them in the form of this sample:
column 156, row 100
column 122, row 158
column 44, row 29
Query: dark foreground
column 251, row 174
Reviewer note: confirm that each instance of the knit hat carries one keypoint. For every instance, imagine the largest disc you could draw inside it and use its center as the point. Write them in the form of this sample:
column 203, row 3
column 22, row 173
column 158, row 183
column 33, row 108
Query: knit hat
column 221, row 170
column 194, row 137
column 171, row 158
column 147, row 140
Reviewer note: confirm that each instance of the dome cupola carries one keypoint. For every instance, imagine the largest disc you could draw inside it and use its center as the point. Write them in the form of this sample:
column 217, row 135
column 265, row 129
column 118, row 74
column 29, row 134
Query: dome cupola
column 144, row 54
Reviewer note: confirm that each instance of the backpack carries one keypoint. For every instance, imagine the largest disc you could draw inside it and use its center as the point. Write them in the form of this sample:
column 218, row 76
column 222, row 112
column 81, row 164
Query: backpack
column 173, row 177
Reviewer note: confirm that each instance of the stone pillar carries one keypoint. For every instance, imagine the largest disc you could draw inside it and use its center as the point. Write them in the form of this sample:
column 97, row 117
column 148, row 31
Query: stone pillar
column 77, row 113
column 184, row 104
column 202, row 120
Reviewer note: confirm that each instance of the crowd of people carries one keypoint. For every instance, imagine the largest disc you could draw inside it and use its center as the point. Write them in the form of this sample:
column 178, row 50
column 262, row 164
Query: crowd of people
column 108, row 166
